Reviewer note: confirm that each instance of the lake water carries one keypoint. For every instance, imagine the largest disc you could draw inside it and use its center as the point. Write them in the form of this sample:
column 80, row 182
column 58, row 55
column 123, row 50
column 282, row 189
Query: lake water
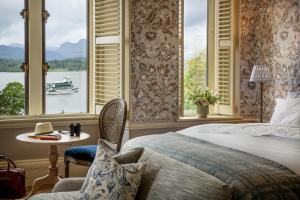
column 67, row 103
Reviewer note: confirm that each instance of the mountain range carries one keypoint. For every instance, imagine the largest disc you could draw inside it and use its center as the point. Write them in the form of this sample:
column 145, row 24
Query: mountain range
column 64, row 51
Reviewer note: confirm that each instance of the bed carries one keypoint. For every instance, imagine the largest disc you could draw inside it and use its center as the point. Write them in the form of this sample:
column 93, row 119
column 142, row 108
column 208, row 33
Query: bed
column 229, row 161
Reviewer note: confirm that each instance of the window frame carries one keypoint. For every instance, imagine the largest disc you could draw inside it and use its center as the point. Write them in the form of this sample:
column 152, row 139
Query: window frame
column 211, row 59
column 24, row 13
column 88, row 52
column 26, row 55
column 29, row 93
column 210, row 27
column 42, row 68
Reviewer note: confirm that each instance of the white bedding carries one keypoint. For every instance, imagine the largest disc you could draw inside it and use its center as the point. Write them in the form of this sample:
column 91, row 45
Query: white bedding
column 275, row 142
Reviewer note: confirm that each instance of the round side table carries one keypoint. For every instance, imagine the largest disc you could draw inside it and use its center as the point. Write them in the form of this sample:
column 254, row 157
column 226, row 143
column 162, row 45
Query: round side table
column 52, row 177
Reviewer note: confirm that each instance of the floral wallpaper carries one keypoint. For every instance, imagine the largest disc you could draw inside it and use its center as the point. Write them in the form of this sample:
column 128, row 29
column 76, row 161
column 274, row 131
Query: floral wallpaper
column 270, row 35
column 154, row 60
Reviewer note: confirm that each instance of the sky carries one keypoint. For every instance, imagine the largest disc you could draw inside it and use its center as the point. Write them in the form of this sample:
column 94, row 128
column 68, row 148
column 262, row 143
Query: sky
column 67, row 22
column 11, row 23
column 195, row 27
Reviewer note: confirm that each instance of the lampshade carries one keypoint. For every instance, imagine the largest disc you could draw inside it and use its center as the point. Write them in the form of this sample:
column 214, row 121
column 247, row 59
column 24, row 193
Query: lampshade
column 260, row 73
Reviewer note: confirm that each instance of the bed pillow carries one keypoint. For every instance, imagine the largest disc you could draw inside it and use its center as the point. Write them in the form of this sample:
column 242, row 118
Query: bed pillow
column 111, row 180
column 287, row 111
column 293, row 95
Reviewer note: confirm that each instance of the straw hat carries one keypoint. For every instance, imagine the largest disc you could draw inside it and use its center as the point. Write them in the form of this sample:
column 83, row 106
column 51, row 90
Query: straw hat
column 41, row 128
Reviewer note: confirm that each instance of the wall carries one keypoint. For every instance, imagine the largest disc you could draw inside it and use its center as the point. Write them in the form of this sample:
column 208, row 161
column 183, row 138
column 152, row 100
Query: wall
column 270, row 35
column 154, row 60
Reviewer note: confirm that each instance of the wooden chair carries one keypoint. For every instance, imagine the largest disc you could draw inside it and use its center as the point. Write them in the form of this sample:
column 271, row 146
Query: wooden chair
column 111, row 125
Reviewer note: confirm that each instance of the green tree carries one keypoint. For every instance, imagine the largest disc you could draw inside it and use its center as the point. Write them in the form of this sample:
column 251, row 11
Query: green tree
column 194, row 77
column 12, row 99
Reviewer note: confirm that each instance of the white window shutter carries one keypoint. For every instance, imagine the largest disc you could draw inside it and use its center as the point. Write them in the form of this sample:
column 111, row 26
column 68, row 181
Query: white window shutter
column 108, row 65
column 180, row 59
column 224, row 55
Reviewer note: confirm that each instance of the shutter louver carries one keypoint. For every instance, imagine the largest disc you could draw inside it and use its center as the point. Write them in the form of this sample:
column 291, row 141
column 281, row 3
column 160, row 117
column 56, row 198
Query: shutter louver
column 224, row 55
column 107, row 51
column 224, row 75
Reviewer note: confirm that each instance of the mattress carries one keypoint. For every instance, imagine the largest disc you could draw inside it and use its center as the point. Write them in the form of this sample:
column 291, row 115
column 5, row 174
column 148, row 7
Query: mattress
column 247, row 176
column 278, row 143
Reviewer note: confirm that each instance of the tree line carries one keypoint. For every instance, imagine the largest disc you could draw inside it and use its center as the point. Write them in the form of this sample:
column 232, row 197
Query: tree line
column 70, row 64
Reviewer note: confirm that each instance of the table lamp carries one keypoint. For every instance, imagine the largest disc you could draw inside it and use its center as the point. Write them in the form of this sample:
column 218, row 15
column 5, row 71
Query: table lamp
column 260, row 74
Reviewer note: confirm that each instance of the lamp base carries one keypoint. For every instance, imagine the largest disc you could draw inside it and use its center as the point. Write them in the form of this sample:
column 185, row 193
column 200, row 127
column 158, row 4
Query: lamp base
column 261, row 103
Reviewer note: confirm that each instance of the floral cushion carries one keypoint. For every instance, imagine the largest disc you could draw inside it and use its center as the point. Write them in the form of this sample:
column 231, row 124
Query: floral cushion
column 110, row 180
column 130, row 156
column 101, row 148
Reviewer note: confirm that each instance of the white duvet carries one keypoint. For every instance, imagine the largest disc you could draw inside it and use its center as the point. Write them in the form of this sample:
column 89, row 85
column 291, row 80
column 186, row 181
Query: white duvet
column 279, row 143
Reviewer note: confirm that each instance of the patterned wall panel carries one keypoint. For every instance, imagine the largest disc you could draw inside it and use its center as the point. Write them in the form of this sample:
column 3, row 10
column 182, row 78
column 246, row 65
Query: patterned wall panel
column 154, row 60
column 270, row 34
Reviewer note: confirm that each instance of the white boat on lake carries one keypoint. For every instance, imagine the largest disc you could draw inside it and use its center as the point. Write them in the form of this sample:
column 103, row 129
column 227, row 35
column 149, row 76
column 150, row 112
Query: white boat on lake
column 61, row 87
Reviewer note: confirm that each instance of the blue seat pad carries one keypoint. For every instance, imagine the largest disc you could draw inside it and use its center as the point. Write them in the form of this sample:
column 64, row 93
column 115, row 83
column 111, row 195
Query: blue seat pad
column 86, row 153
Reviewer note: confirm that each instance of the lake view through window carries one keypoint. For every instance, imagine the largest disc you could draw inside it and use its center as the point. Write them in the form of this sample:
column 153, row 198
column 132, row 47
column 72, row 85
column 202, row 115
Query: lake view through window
column 66, row 54
column 12, row 92
column 195, row 50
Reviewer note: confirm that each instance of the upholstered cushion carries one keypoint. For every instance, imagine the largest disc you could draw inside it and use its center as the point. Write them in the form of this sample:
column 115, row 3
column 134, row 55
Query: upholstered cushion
column 86, row 153
column 110, row 180
column 69, row 184
column 57, row 196
column 131, row 156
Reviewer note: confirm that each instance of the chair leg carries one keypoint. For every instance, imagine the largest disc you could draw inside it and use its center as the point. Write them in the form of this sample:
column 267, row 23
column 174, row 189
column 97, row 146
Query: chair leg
column 67, row 163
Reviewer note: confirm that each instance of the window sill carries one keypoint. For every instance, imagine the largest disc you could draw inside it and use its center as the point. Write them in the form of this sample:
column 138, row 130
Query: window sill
column 209, row 118
column 56, row 120
column 216, row 119
column 185, row 122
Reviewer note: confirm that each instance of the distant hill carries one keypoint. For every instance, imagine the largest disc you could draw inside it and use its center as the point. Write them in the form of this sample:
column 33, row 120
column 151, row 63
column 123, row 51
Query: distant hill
column 65, row 51
column 11, row 52
column 73, row 50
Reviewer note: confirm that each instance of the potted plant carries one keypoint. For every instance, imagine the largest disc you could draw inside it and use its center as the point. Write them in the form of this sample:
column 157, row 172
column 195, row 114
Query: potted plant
column 202, row 99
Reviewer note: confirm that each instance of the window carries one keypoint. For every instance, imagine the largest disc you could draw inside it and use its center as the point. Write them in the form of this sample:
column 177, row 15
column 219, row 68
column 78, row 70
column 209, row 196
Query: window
column 59, row 42
column 58, row 78
column 108, row 51
column 12, row 55
column 207, row 30
column 66, row 54
column 195, row 49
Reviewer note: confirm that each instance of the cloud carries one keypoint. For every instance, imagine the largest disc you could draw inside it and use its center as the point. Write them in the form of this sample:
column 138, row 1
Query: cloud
column 13, row 34
column 195, row 11
column 67, row 21
column 11, row 23
column 195, row 27
column 195, row 40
